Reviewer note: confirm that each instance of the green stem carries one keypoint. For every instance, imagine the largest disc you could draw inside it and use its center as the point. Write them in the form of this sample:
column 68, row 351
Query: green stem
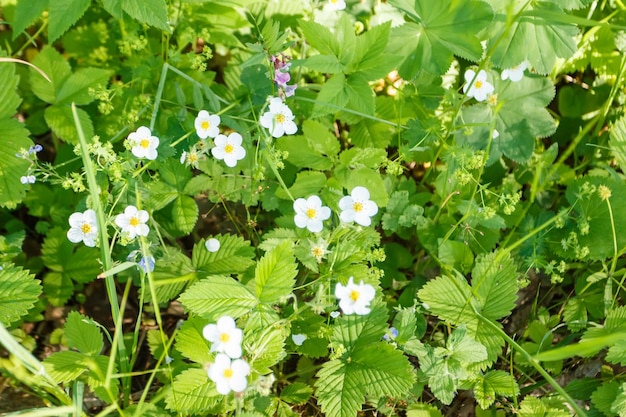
column 104, row 248
column 535, row 364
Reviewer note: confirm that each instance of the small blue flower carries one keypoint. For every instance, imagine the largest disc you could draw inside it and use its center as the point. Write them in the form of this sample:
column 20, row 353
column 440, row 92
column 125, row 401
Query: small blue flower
column 147, row 263
column 392, row 333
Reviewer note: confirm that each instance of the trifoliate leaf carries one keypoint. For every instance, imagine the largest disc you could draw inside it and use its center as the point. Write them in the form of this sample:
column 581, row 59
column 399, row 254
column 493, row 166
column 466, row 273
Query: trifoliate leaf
column 193, row 393
column 234, row 256
column 191, row 343
column 83, row 334
column 217, row 296
column 445, row 28
column 64, row 14
column 463, row 348
column 491, row 384
column 448, row 297
column 19, row 292
column 274, row 276
column 535, row 35
column 533, row 407
column 76, row 87
column 266, row 347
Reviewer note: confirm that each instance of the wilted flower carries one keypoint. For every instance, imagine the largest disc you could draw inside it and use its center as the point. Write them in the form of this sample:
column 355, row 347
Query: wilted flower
column 83, row 228
column 207, row 125
column 310, row 213
column 477, row 86
column 133, row 222
column 354, row 298
column 190, row 158
column 358, row 207
column 224, row 336
column 229, row 148
column 516, row 73
column 279, row 119
column 229, row 375
column 143, row 143
column 319, row 250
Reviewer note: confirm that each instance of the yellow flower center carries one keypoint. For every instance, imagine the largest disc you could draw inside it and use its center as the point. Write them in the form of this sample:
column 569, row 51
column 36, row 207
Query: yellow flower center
column 86, row 228
column 478, row 84
column 134, row 221
column 358, row 207
column 492, row 99
column 224, row 337
column 205, row 125
column 311, row 213
column 228, row 373
column 144, row 143
column 229, row 148
column 280, row 118
column 192, row 157
column 317, row 252
column 354, row 295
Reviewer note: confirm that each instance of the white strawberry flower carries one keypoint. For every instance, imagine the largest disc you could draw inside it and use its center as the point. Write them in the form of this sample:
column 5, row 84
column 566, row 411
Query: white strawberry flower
column 229, row 148
column 207, row 125
column 355, row 298
column 477, row 86
column 336, row 4
column 143, row 143
column 133, row 222
column 279, row 119
column 516, row 73
column 357, row 207
column 310, row 213
column 229, row 375
column 224, row 336
column 83, row 228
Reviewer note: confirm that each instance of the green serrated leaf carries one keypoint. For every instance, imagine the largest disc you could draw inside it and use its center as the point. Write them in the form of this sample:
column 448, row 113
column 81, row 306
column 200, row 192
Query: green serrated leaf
column 464, row 348
column 267, row 346
column 492, row 383
column 274, row 276
column 603, row 397
column 83, row 334
column 153, row 12
column 534, row 36
column 361, row 330
column 445, row 28
column 114, row 7
column 320, row 37
column 448, row 297
column 56, row 67
column 15, row 138
column 65, row 366
column 368, row 133
column 78, row 263
column 306, row 184
column 75, row 89
column 61, row 121
column 58, row 288
column 26, row 12
column 9, row 99
column 296, row 393
column 192, row 393
column 234, row 256
column 63, row 14
column 494, row 283
column 191, row 343
column 216, row 296
column 185, row 213
column 618, row 141
column 332, row 97
column 18, row 293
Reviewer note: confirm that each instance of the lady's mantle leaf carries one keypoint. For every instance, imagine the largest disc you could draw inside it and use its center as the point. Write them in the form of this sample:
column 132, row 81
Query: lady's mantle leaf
column 18, row 293
column 445, row 28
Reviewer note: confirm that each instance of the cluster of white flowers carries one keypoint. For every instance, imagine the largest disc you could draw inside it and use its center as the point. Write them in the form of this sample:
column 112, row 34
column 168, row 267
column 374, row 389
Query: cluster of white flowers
column 336, row 4
column 228, row 371
column 356, row 207
column 84, row 226
column 477, row 86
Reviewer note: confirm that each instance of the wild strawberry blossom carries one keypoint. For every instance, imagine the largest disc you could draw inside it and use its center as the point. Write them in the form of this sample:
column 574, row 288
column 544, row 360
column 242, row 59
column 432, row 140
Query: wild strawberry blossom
column 310, row 213
column 516, row 73
column 357, row 207
column 278, row 119
column 229, row 375
column 336, row 4
column 224, row 336
column 83, row 228
column 207, row 125
column 143, row 143
column 229, row 149
column 355, row 298
column 133, row 222
column 477, row 86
